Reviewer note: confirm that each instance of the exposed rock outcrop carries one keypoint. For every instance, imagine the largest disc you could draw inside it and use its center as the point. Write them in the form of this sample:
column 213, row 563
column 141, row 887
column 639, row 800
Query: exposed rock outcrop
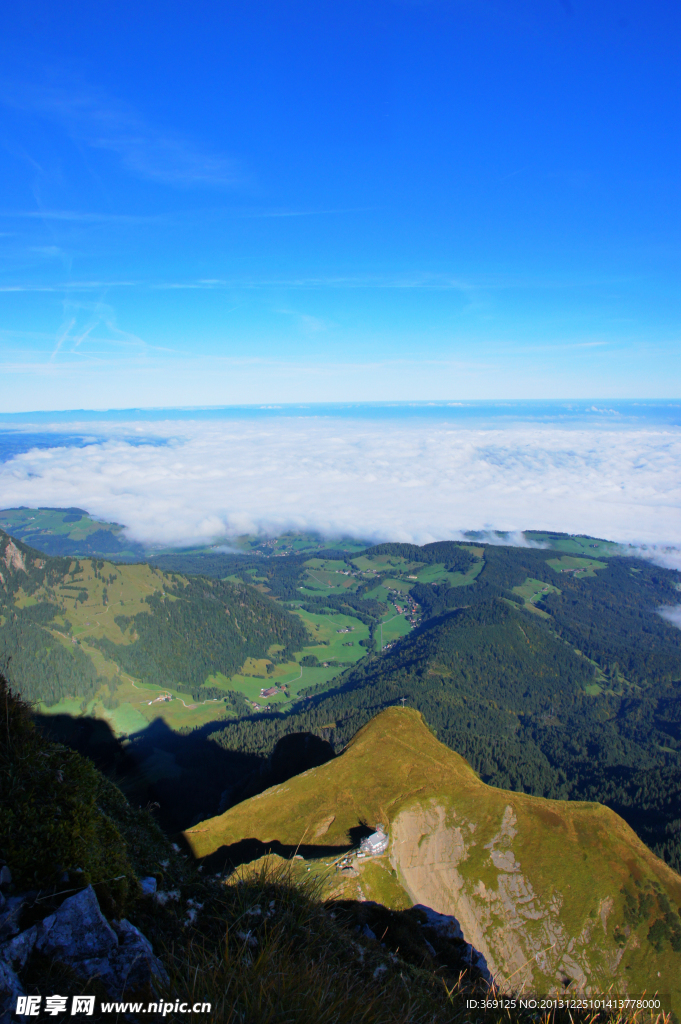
column 521, row 935
column 78, row 934
column 13, row 557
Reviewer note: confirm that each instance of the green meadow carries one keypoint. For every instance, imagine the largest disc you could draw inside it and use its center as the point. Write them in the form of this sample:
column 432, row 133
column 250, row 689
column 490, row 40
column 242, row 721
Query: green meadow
column 327, row 643
column 438, row 574
column 576, row 565
column 325, row 576
column 52, row 522
column 533, row 591
column 383, row 563
column 295, row 543
column 139, row 705
column 577, row 545
column 403, row 586
column 45, row 529
column 392, row 629
column 330, row 565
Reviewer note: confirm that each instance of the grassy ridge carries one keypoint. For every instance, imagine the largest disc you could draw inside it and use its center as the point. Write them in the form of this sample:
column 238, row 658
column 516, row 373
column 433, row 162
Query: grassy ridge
column 585, row 866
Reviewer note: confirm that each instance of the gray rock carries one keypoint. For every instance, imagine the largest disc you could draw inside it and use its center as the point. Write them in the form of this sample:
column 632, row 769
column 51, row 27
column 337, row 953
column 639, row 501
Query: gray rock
column 9, row 917
column 135, row 963
column 148, row 885
column 17, row 951
column 79, row 935
column 367, row 933
column 5, row 875
column 77, row 931
column 504, row 860
column 130, row 969
column 10, row 988
column 442, row 924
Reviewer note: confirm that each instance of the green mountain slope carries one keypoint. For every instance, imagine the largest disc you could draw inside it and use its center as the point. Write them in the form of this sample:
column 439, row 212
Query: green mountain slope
column 71, row 626
column 556, row 896
column 68, row 532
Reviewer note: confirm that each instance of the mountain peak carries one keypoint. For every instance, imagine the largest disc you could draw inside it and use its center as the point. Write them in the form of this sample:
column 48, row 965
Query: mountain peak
column 554, row 895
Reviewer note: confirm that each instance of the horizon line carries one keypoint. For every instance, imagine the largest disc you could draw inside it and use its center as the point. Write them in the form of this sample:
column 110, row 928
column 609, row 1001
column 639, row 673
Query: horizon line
column 385, row 404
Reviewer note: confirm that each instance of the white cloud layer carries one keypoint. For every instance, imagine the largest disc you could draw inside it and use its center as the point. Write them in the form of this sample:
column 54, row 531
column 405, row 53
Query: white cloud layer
column 376, row 480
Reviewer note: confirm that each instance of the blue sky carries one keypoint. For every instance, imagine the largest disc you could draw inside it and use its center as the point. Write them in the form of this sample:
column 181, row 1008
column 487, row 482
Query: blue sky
column 207, row 204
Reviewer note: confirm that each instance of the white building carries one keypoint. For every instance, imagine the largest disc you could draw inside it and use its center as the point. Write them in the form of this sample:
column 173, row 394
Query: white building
column 374, row 844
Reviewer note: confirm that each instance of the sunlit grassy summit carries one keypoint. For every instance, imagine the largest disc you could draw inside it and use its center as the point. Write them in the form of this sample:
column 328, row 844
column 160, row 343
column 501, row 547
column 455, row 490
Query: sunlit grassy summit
column 555, row 895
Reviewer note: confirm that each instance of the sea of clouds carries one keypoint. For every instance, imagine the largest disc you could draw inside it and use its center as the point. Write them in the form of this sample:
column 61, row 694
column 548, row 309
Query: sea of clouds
column 190, row 482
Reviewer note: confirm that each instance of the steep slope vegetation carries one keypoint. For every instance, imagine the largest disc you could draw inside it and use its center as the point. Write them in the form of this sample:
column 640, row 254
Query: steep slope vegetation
column 555, row 895
column 164, row 630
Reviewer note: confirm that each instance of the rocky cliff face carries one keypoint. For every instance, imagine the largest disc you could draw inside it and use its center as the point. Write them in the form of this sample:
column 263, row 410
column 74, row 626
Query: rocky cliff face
column 527, row 943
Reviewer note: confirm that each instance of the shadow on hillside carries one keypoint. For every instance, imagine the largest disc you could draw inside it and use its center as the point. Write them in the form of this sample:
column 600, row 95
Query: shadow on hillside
column 227, row 858
column 190, row 777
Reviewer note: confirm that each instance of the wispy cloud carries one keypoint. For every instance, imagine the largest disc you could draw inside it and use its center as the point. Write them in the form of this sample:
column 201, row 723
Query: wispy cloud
column 100, row 122
column 407, row 281
column 303, row 213
column 418, row 280
column 309, row 323
column 672, row 614
column 95, row 217
column 89, row 330
column 65, row 286
column 80, row 216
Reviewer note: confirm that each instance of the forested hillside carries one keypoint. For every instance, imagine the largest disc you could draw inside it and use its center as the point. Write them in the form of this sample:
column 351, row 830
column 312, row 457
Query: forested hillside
column 180, row 630
column 198, row 627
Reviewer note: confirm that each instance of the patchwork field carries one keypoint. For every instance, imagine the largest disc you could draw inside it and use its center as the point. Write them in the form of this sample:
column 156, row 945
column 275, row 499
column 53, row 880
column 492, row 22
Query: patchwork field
column 328, row 642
